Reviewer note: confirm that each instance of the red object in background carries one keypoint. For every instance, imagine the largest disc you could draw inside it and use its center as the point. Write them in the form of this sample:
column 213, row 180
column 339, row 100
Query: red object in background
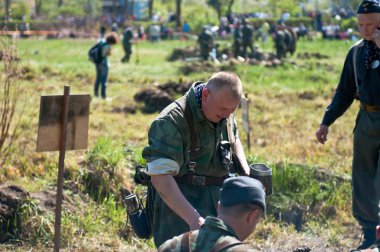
column 377, row 232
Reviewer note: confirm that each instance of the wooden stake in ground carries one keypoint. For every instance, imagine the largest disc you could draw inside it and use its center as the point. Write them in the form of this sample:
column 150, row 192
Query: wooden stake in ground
column 245, row 117
column 63, row 125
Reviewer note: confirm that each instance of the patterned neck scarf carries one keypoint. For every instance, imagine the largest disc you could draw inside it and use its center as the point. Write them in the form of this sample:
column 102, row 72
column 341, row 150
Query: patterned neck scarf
column 198, row 93
column 371, row 52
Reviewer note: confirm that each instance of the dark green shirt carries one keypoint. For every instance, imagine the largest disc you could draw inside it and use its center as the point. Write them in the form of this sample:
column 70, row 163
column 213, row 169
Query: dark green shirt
column 212, row 233
column 369, row 87
column 167, row 153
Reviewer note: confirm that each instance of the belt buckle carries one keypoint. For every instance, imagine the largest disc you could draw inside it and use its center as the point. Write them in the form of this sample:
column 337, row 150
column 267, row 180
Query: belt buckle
column 198, row 180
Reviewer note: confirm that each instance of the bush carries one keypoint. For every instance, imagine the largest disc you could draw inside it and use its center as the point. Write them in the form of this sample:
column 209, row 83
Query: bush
column 349, row 23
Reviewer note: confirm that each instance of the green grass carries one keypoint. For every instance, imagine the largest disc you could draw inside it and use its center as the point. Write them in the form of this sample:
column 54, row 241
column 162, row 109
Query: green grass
column 287, row 104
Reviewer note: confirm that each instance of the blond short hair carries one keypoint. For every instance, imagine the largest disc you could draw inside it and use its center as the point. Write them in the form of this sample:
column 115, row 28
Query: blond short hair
column 229, row 80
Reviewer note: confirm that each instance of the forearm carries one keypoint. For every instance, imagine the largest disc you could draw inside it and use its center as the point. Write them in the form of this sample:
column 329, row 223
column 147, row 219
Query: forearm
column 240, row 153
column 169, row 191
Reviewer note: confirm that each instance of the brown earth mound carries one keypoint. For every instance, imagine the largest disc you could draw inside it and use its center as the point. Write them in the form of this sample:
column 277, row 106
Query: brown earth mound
column 156, row 99
column 11, row 198
column 183, row 53
column 308, row 55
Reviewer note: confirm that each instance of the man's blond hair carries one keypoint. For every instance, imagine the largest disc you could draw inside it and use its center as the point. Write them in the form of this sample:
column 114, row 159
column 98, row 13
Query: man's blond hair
column 228, row 80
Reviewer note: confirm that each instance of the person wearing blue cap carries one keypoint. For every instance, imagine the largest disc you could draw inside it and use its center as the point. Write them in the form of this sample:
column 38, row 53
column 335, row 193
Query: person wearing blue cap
column 241, row 205
column 360, row 80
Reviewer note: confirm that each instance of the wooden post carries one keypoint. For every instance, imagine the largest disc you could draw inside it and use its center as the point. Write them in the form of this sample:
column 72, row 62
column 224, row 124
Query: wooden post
column 249, row 129
column 61, row 168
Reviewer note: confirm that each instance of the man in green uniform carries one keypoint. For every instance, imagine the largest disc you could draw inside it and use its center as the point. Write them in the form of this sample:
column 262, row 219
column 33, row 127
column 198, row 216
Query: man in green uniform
column 242, row 202
column 186, row 157
column 361, row 80
column 280, row 42
column 127, row 44
column 247, row 38
column 206, row 43
column 237, row 41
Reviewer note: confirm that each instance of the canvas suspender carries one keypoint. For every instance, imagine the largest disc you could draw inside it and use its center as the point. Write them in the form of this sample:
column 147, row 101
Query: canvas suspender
column 186, row 238
column 355, row 53
column 183, row 103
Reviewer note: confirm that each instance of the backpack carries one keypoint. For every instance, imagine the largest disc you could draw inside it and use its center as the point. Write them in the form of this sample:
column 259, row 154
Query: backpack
column 95, row 52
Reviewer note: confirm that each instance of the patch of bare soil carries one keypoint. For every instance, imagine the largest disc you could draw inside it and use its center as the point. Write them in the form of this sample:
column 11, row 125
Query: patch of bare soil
column 157, row 98
column 307, row 55
column 11, row 198
column 183, row 53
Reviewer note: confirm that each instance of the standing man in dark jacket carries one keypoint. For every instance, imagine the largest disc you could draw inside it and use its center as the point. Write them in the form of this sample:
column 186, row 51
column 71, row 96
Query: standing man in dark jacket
column 247, row 33
column 365, row 86
column 127, row 44
column 206, row 43
column 237, row 40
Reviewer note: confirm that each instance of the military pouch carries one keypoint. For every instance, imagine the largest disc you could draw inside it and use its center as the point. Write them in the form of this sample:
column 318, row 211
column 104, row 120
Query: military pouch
column 141, row 218
column 236, row 165
column 138, row 216
column 141, row 177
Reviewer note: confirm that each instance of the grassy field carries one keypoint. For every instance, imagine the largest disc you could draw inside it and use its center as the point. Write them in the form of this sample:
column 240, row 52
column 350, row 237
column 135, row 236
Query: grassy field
column 287, row 105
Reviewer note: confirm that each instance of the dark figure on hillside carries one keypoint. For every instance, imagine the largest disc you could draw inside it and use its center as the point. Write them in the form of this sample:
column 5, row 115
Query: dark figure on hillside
column 242, row 202
column 206, row 43
column 102, row 67
column 360, row 79
column 238, row 41
column 293, row 46
column 280, row 43
column 247, row 33
column 187, row 179
column 127, row 44
column 114, row 28
column 102, row 31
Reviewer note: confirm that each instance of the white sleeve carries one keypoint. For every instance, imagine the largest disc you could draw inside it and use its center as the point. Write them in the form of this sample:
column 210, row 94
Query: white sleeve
column 163, row 166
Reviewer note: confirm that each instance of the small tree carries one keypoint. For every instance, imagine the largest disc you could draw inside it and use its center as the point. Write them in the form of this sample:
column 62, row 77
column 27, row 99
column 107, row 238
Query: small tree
column 7, row 10
column 222, row 7
column 10, row 97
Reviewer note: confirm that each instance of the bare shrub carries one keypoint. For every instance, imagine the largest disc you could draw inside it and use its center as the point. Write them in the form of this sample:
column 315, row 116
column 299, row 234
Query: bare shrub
column 10, row 97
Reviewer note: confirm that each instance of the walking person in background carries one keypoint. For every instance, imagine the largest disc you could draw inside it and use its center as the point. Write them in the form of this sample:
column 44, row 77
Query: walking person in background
column 127, row 43
column 102, row 67
column 206, row 43
column 360, row 79
column 247, row 38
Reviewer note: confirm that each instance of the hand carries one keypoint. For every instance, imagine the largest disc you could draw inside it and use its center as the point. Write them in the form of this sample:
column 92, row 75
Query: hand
column 197, row 223
column 376, row 37
column 322, row 133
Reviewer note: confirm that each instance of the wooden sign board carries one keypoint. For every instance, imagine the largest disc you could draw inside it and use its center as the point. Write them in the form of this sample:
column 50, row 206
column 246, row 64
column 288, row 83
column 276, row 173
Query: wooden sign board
column 245, row 117
column 50, row 122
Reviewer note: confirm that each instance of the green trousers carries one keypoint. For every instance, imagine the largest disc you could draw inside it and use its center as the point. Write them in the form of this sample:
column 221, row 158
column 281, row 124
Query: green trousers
column 167, row 224
column 366, row 169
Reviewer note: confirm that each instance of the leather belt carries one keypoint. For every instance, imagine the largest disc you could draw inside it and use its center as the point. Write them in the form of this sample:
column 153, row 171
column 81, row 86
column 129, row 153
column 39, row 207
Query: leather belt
column 192, row 179
column 370, row 108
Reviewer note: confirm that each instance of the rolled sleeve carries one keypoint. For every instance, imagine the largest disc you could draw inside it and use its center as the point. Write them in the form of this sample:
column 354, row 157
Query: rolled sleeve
column 164, row 154
column 163, row 166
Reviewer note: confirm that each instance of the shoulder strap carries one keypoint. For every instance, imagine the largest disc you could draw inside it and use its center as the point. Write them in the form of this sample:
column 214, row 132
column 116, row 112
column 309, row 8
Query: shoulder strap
column 355, row 53
column 226, row 244
column 185, row 242
column 230, row 134
column 184, row 105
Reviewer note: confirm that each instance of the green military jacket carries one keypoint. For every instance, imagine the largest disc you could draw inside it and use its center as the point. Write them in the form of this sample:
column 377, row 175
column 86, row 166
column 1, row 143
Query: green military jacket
column 167, row 153
column 214, row 235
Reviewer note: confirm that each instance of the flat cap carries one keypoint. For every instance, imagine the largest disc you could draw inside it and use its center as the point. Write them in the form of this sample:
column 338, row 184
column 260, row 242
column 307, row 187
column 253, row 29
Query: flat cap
column 369, row 6
column 242, row 190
